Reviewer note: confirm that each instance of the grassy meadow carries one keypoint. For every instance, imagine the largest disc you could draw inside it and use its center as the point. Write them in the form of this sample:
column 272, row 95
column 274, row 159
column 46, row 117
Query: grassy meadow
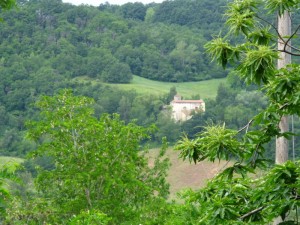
column 6, row 159
column 206, row 89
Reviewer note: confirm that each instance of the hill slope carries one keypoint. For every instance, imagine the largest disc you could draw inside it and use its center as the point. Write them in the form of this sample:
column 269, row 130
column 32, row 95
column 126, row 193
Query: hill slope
column 183, row 174
column 205, row 89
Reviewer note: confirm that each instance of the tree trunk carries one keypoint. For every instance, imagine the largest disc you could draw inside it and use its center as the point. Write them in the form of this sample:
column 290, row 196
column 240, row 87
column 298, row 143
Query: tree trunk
column 284, row 30
column 282, row 143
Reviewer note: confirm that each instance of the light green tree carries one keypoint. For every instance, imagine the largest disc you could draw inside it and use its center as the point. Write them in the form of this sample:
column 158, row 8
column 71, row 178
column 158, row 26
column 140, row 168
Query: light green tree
column 7, row 175
column 7, row 4
column 233, row 197
column 99, row 164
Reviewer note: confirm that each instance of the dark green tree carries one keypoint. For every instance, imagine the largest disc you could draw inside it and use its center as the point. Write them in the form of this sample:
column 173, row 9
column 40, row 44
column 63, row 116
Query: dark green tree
column 117, row 73
column 136, row 11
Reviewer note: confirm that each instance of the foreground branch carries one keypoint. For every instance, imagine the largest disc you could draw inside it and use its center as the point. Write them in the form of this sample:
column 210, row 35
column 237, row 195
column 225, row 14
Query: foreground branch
column 252, row 212
column 286, row 43
column 289, row 39
column 246, row 126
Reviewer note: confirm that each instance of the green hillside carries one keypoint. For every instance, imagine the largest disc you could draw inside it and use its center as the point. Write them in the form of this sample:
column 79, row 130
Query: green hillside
column 206, row 89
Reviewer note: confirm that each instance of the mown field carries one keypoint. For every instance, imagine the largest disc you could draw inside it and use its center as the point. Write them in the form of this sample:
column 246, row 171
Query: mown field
column 183, row 174
column 206, row 89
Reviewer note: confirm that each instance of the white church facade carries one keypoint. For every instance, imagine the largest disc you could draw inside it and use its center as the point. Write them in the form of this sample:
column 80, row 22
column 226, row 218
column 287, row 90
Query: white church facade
column 183, row 110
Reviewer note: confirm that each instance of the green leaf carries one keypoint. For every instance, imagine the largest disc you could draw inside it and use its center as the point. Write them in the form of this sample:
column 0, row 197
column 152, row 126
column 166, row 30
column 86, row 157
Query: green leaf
column 221, row 51
column 281, row 5
column 258, row 65
column 261, row 36
column 240, row 16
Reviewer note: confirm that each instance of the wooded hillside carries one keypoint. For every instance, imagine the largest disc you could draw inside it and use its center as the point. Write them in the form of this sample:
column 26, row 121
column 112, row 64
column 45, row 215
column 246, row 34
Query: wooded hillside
column 45, row 44
column 109, row 42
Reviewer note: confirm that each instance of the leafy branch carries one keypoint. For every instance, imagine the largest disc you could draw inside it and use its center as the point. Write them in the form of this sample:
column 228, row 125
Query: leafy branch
column 252, row 212
column 246, row 126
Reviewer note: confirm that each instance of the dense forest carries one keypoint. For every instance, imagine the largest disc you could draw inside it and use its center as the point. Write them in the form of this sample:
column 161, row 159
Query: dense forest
column 57, row 112
column 46, row 44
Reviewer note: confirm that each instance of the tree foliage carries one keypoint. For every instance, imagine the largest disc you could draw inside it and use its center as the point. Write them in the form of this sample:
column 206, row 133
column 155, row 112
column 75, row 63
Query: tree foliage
column 7, row 175
column 7, row 4
column 98, row 163
column 234, row 197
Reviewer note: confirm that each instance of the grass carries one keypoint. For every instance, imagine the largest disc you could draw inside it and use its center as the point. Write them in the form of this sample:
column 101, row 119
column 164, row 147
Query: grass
column 6, row 159
column 206, row 89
